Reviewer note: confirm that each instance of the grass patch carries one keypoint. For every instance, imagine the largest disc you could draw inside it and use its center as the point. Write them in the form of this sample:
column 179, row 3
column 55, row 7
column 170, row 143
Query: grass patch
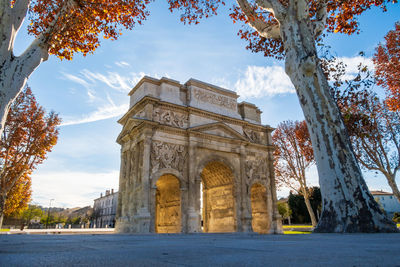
column 4, row 230
column 296, row 226
column 295, row 232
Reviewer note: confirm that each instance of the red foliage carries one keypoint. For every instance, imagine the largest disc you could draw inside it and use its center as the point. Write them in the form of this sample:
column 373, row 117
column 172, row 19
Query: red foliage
column 193, row 11
column 19, row 196
column 387, row 66
column 293, row 154
column 29, row 134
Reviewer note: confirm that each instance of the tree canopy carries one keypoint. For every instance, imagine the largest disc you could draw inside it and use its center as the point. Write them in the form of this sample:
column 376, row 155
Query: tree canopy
column 387, row 66
column 28, row 136
column 72, row 26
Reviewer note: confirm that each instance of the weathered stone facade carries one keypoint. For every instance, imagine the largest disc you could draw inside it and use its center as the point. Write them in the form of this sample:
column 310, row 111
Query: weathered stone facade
column 194, row 160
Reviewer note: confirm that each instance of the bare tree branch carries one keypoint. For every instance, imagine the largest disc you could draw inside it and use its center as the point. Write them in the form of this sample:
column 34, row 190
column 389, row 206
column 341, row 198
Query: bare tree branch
column 273, row 6
column 265, row 29
column 19, row 12
column 321, row 16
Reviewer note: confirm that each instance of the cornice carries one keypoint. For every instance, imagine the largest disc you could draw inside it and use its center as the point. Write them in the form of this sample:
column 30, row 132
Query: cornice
column 212, row 88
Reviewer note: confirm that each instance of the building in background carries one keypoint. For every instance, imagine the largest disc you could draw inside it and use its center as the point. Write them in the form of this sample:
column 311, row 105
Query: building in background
column 104, row 209
column 387, row 201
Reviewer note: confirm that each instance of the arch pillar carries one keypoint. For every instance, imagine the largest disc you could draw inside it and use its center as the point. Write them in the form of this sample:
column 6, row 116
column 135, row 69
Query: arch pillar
column 193, row 207
column 143, row 217
column 246, row 215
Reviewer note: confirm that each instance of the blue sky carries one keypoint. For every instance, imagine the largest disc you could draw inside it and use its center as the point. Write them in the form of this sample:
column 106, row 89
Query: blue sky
column 90, row 93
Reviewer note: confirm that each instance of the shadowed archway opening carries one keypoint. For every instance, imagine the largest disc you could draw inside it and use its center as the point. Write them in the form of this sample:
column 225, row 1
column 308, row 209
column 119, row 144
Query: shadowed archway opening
column 218, row 209
column 259, row 209
column 168, row 205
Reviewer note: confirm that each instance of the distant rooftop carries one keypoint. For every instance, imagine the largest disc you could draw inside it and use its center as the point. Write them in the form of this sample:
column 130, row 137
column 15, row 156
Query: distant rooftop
column 380, row 192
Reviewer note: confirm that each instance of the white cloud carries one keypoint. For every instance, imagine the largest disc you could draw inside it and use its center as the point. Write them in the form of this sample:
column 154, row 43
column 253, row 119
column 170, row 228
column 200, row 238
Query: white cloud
column 114, row 80
column 122, row 64
column 263, row 81
column 102, row 113
column 76, row 79
column 71, row 189
column 106, row 106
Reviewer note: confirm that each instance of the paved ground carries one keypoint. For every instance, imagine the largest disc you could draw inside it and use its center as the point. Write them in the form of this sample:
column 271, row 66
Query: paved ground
column 201, row 250
column 59, row 231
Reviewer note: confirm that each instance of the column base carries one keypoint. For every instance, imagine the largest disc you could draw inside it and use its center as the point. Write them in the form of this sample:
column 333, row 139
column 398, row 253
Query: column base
column 246, row 225
column 142, row 221
column 276, row 225
column 193, row 222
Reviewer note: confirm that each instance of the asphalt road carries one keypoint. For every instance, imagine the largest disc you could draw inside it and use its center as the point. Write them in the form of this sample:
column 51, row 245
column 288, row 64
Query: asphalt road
column 201, row 250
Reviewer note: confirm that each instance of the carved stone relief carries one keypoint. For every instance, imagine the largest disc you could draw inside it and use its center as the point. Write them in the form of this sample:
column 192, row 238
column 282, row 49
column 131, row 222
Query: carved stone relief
column 256, row 169
column 167, row 155
column 140, row 114
column 215, row 99
column 171, row 118
column 253, row 136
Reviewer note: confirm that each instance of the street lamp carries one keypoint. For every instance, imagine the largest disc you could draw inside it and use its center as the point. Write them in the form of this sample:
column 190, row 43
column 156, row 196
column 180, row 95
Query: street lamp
column 48, row 213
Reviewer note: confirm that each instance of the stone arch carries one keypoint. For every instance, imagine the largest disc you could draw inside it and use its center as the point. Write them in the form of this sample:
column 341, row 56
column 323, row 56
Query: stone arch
column 168, row 198
column 157, row 175
column 219, row 204
column 259, row 208
column 212, row 158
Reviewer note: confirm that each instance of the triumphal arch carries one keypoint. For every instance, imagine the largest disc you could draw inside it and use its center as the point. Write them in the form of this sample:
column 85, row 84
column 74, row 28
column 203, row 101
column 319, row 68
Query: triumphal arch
column 194, row 160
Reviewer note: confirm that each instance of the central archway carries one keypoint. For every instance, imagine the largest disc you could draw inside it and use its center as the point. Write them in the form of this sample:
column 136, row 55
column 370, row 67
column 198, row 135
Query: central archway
column 218, row 209
column 168, row 205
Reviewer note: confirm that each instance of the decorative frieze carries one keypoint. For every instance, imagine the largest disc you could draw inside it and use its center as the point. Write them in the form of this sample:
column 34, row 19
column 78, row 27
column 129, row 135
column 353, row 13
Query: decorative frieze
column 167, row 155
column 253, row 136
column 170, row 117
column 215, row 99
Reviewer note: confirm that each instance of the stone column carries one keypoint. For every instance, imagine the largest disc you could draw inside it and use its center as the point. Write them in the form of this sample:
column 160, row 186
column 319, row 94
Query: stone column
column 193, row 214
column 127, row 189
column 143, row 215
column 246, row 201
column 153, row 191
column 276, row 222
column 184, row 208
column 121, row 218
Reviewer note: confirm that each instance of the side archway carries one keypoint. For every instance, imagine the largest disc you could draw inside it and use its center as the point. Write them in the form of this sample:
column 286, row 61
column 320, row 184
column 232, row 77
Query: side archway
column 168, row 205
column 259, row 209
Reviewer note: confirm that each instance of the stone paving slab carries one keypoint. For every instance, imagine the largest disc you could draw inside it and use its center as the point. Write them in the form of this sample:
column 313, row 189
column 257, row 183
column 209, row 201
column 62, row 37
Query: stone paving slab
column 201, row 250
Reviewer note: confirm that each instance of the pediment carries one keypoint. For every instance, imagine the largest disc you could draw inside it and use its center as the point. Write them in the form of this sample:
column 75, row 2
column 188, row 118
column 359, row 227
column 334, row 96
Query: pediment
column 129, row 125
column 218, row 129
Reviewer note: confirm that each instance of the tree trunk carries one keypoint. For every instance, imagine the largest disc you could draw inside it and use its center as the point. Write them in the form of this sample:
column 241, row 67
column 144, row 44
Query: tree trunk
column 15, row 70
column 2, row 206
column 347, row 204
column 392, row 183
column 310, row 210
